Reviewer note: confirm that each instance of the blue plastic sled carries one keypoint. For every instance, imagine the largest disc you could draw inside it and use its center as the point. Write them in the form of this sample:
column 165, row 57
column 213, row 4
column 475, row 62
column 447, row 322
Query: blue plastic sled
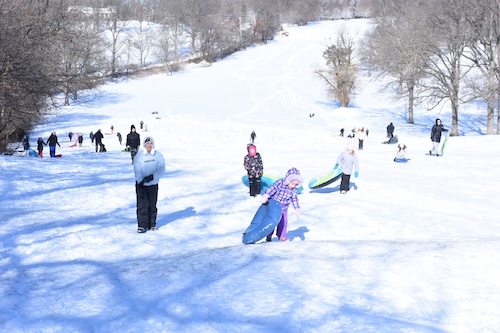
column 265, row 220
column 401, row 160
column 33, row 153
column 326, row 179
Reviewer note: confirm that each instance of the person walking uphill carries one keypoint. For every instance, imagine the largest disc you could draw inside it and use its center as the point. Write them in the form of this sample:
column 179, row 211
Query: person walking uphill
column 149, row 167
column 285, row 192
column 255, row 168
column 52, row 141
column 348, row 162
column 436, row 136
column 133, row 142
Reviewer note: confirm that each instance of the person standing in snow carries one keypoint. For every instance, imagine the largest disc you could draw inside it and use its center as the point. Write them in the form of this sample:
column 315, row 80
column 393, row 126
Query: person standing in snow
column 390, row 131
column 91, row 136
column 253, row 136
column 133, row 142
column 119, row 135
column 255, row 168
column 98, row 136
column 436, row 136
column 40, row 143
column 26, row 145
column 149, row 167
column 285, row 192
column 348, row 162
column 52, row 141
column 80, row 139
column 361, row 138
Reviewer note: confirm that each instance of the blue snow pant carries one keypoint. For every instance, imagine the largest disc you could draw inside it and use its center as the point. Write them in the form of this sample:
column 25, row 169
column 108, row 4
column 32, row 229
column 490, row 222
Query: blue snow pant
column 52, row 151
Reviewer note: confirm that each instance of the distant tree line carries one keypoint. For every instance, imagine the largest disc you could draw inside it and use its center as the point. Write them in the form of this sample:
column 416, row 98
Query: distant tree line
column 428, row 51
column 53, row 48
column 436, row 51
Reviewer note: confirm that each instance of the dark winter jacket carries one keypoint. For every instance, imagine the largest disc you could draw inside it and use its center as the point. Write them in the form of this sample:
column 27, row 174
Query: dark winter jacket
column 133, row 140
column 253, row 165
column 436, row 132
column 98, row 136
column 26, row 143
column 52, row 140
column 390, row 129
column 40, row 144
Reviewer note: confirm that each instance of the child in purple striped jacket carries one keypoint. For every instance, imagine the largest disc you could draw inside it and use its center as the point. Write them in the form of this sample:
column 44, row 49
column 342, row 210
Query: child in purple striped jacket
column 285, row 192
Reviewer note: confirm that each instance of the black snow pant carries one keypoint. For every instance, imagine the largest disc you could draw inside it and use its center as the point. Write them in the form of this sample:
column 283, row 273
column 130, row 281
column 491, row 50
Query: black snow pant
column 147, row 196
column 255, row 186
column 133, row 152
column 344, row 182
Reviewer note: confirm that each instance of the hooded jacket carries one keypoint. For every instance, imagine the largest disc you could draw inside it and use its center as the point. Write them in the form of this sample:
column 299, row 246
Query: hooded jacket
column 253, row 164
column 151, row 163
column 280, row 192
column 436, row 131
column 348, row 162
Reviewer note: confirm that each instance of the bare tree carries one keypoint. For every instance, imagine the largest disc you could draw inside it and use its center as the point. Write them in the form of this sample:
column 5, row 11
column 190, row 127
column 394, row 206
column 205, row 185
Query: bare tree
column 80, row 53
column 395, row 50
column 116, row 24
column 341, row 73
column 447, row 39
column 266, row 19
column 28, row 76
column 483, row 18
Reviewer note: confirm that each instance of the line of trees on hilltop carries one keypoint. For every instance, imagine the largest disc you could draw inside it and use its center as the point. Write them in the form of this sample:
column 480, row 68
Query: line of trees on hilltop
column 55, row 48
column 436, row 51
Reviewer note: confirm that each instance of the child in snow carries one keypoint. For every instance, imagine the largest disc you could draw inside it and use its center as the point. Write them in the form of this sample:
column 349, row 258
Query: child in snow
column 254, row 167
column 436, row 136
column 401, row 151
column 285, row 192
column 348, row 162
column 40, row 143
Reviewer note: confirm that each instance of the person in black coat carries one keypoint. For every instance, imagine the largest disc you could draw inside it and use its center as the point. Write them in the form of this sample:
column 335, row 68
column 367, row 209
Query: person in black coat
column 436, row 131
column 26, row 145
column 53, row 141
column 133, row 142
column 98, row 136
column 390, row 131
column 40, row 143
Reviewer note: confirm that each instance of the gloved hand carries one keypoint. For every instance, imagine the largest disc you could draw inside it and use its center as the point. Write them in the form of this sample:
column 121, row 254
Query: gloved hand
column 336, row 166
column 356, row 174
column 265, row 197
column 147, row 179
